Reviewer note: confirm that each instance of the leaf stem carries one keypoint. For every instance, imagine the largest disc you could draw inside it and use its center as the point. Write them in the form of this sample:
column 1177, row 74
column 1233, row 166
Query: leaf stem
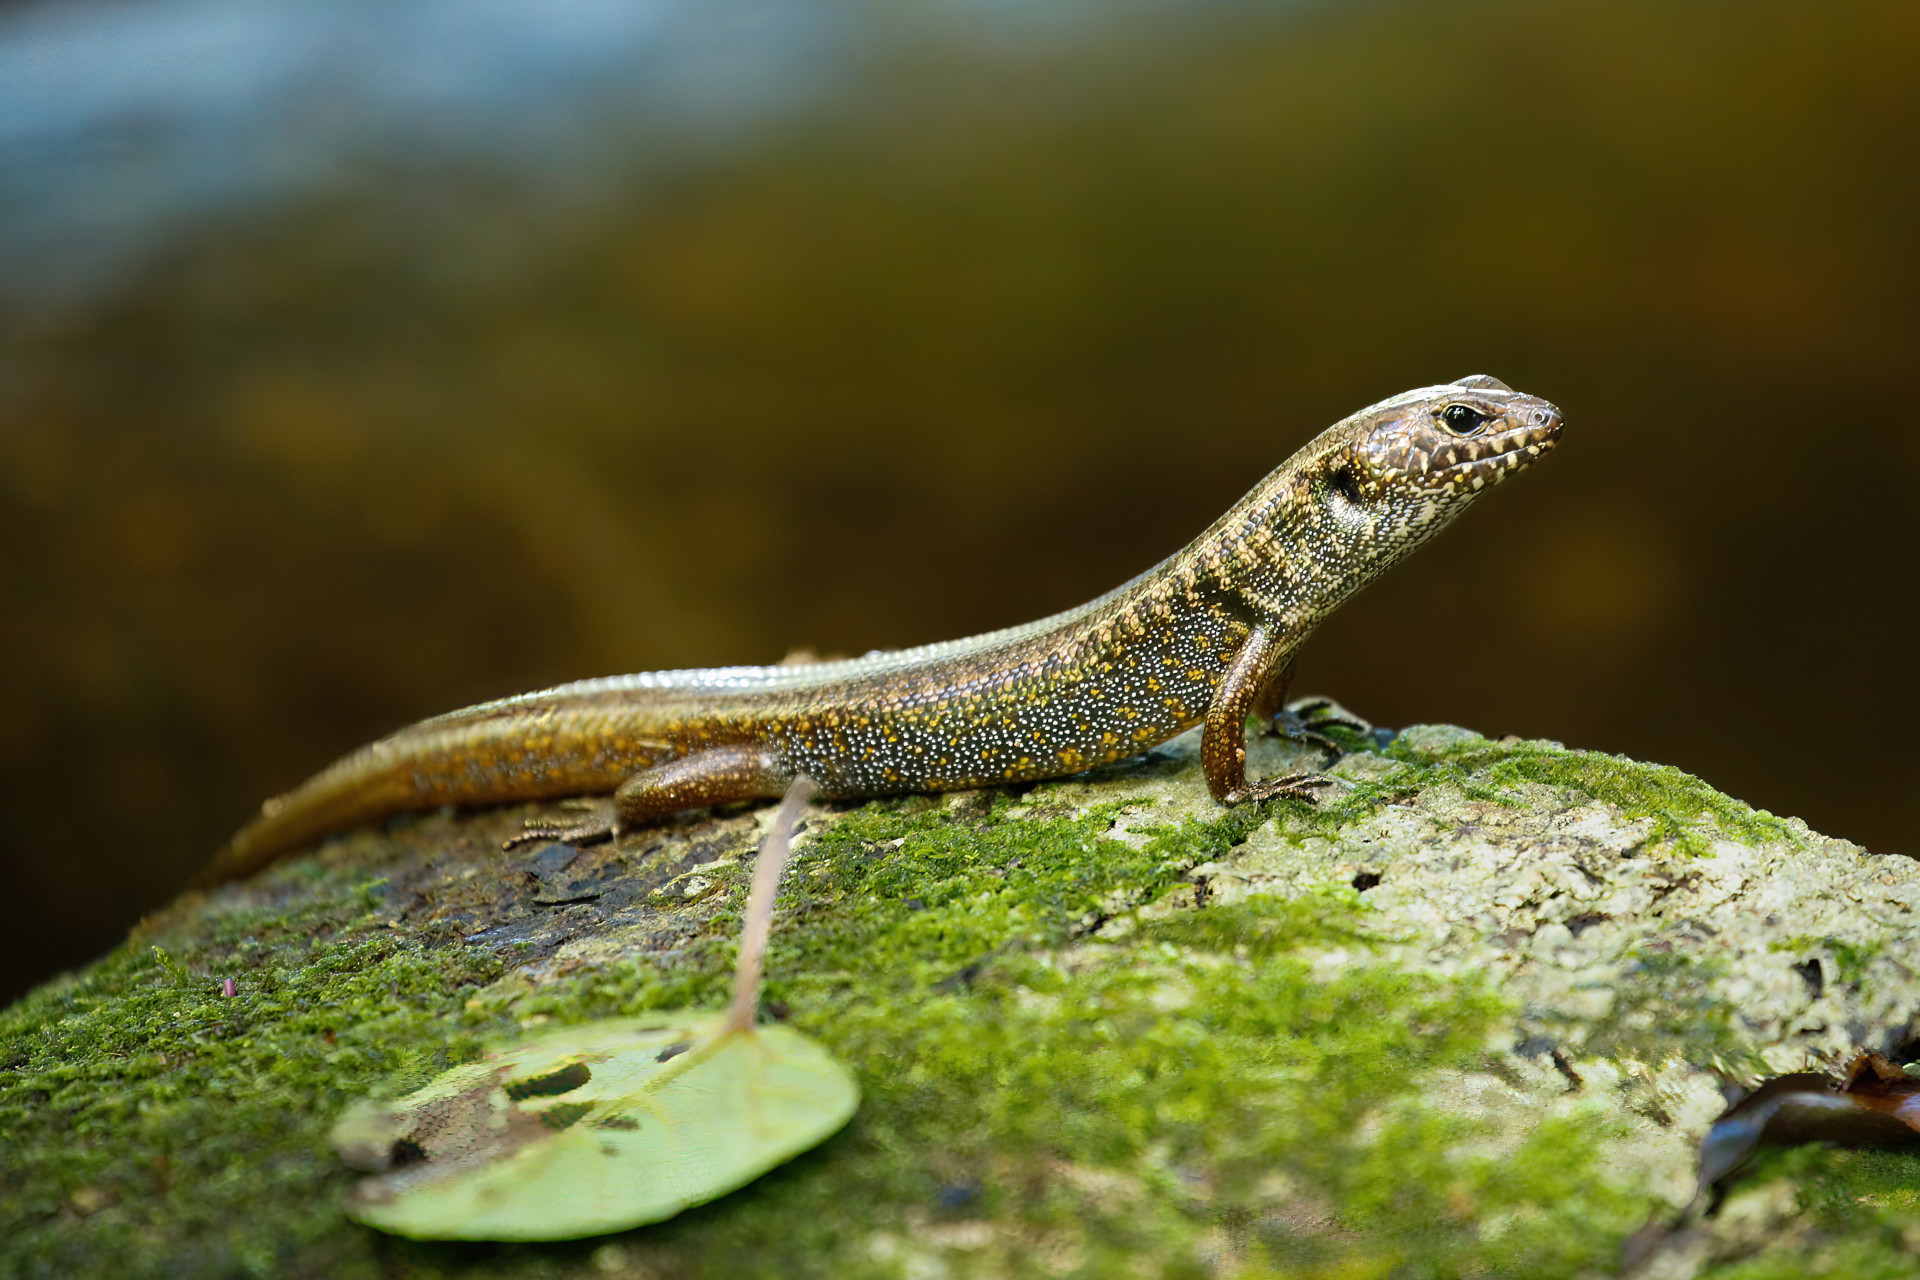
column 767, row 870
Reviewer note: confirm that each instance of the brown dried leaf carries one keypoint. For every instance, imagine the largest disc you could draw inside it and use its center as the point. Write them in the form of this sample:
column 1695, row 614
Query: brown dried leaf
column 1874, row 1103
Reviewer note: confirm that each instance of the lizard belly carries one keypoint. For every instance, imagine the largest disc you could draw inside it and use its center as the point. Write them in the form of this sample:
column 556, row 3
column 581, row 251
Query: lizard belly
column 1006, row 730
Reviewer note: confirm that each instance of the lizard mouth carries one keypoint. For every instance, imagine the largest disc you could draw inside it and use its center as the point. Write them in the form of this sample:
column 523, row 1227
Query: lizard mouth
column 1526, row 435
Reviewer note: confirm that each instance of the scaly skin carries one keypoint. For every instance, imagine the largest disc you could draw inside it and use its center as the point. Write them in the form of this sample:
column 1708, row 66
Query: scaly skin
column 1208, row 635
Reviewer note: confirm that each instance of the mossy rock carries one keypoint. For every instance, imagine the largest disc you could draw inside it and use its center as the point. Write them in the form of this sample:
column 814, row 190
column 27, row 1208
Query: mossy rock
column 1468, row 1016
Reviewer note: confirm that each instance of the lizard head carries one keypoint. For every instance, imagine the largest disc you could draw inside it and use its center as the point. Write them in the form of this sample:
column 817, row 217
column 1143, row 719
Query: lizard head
column 1414, row 462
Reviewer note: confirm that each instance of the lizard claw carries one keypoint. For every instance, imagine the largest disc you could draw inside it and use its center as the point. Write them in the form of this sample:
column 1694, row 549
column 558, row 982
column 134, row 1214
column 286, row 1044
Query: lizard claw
column 594, row 824
column 1295, row 786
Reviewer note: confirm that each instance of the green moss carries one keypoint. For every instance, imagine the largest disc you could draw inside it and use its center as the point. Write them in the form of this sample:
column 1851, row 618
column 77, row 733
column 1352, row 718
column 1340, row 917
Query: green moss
column 1852, row 1259
column 1677, row 804
column 1112, row 1089
column 157, row 1127
column 1839, row 1189
column 1855, row 1215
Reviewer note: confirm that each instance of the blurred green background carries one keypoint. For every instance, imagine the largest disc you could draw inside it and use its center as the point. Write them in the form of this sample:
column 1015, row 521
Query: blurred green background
column 355, row 368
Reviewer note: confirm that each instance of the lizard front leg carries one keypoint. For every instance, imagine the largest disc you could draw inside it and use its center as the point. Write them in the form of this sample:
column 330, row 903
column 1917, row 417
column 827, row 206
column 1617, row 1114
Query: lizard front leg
column 1255, row 681
column 1271, row 698
column 697, row 780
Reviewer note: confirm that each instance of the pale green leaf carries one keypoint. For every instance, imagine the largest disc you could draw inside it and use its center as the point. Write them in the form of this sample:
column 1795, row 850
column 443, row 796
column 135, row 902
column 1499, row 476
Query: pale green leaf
column 592, row 1128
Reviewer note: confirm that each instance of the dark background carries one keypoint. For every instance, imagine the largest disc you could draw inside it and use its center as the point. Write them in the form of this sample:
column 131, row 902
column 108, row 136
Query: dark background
column 355, row 371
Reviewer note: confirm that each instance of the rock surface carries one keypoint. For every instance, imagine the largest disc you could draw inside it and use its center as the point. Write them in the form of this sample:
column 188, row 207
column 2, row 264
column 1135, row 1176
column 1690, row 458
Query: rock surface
column 1469, row 1016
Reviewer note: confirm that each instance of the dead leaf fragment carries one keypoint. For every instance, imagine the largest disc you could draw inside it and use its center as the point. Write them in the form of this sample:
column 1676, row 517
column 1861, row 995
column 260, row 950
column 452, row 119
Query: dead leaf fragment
column 1874, row 1103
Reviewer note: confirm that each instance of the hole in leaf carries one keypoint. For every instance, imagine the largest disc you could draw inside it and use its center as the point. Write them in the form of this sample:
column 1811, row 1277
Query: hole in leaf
column 405, row 1152
column 552, row 1084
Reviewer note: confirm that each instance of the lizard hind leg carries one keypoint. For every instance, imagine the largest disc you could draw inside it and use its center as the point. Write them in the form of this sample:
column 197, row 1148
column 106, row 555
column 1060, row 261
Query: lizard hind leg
column 697, row 780
column 700, row 780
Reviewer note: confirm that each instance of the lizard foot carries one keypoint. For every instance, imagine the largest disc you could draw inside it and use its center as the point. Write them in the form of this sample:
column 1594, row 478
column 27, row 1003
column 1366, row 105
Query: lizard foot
column 1315, row 713
column 1304, row 721
column 1295, row 786
column 594, row 824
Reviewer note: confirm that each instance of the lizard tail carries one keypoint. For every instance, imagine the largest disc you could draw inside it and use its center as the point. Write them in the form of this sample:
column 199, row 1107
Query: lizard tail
column 351, row 793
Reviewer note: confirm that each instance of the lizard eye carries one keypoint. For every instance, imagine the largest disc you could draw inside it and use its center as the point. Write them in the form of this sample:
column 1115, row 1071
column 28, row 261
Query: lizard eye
column 1463, row 420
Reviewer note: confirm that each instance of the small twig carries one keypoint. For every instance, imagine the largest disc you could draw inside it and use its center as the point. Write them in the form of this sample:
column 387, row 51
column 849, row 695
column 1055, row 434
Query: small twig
column 767, row 870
